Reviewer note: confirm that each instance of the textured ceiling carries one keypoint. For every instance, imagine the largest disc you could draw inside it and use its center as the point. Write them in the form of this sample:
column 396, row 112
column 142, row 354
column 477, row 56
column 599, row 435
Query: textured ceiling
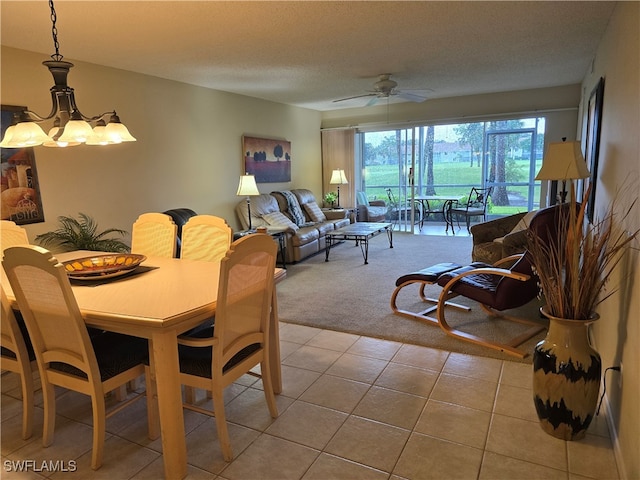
column 309, row 53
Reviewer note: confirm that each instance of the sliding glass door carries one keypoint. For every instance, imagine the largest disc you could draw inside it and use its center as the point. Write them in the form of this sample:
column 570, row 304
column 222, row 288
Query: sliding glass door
column 447, row 160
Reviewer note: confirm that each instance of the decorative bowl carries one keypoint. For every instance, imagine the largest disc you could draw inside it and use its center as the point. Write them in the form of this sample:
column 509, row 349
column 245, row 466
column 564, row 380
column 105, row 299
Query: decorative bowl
column 102, row 266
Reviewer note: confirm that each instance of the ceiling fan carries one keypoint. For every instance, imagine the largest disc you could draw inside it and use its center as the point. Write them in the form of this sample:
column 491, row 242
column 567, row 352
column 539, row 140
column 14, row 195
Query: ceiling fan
column 385, row 88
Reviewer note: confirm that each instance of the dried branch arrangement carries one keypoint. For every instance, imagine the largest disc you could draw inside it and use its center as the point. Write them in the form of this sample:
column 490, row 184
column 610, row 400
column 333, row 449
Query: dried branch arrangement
column 575, row 266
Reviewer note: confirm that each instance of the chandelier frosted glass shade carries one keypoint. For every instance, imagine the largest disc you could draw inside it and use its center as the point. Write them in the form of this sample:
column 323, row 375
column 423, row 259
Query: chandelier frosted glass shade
column 24, row 134
column 71, row 127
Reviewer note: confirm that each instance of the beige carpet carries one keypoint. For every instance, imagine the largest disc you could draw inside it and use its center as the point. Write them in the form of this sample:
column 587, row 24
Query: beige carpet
column 346, row 295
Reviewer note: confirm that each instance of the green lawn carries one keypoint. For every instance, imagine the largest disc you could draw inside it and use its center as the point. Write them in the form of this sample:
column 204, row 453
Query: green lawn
column 458, row 178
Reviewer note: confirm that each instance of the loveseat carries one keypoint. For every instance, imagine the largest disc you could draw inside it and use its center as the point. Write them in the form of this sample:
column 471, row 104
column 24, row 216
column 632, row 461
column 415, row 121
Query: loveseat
column 296, row 211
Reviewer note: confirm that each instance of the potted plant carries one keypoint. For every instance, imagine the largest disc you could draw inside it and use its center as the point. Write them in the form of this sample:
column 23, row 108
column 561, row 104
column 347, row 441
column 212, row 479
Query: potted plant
column 330, row 199
column 82, row 234
column 573, row 267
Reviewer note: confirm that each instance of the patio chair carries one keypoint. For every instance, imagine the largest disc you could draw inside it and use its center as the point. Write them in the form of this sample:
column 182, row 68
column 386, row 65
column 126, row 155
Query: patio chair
column 475, row 206
column 397, row 212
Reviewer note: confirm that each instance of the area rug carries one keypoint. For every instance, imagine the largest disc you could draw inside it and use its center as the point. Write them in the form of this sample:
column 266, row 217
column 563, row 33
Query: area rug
column 346, row 295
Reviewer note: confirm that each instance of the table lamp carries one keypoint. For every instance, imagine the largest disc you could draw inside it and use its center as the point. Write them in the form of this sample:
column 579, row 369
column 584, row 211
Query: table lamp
column 248, row 187
column 563, row 161
column 338, row 178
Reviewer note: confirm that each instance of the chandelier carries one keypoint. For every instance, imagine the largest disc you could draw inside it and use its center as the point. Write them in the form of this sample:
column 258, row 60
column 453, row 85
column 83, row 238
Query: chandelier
column 70, row 127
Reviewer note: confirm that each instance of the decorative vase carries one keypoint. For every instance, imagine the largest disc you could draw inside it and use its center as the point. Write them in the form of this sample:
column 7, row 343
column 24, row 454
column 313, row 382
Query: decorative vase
column 566, row 378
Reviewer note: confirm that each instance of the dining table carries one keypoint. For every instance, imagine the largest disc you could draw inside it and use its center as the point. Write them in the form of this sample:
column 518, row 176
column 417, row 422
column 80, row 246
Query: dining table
column 447, row 202
column 158, row 300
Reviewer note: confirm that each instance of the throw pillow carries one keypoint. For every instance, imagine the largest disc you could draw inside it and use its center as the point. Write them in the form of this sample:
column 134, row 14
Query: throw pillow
column 314, row 212
column 279, row 219
column 523, row 224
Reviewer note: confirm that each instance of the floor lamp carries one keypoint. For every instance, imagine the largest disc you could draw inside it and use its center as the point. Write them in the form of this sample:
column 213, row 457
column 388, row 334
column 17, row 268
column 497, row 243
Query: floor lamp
column 338, row 178
column 247, row 187
column 563, row 161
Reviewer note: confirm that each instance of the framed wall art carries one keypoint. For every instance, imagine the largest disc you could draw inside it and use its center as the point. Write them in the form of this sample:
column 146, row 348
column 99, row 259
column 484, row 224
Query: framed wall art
column 20, row 196
column 591, row 144
column 268, row 159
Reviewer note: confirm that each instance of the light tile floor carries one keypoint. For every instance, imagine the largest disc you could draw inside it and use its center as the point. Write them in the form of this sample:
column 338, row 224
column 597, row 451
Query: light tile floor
column 352, row 408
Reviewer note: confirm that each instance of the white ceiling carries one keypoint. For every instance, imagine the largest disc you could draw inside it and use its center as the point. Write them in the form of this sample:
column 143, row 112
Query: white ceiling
column 309, row 53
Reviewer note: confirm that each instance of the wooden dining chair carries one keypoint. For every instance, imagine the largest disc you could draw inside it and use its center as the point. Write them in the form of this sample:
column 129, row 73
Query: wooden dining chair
column 206, row 238
column 12, row 234
column 213, row 359
column 154, row 235
column 65, row 353
column 17, row 355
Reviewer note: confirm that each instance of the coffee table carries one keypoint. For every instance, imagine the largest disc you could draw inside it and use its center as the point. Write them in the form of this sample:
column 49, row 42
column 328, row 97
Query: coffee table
column 361, row 232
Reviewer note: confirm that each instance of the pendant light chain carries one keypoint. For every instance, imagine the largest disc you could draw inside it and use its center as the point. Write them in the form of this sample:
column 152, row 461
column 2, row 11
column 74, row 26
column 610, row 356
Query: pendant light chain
column 54, row 33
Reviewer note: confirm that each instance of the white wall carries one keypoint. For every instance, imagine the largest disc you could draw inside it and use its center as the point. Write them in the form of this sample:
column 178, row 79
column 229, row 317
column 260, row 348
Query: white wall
column 188, row 153
column 617, row 333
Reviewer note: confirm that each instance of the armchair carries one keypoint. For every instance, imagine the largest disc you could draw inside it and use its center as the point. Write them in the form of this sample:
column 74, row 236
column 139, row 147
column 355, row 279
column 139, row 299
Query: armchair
column 370, row 210
column 500, row 238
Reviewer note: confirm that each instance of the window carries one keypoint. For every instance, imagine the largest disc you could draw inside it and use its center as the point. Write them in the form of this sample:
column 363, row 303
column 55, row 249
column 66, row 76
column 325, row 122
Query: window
column 450, row 159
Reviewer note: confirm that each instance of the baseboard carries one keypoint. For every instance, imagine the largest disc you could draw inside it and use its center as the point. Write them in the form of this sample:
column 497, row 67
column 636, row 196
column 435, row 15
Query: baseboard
column 613, row 434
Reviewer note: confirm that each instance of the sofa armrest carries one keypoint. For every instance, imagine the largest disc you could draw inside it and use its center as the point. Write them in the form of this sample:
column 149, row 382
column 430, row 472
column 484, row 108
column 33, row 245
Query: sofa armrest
column 335, row 214
column 377, row 203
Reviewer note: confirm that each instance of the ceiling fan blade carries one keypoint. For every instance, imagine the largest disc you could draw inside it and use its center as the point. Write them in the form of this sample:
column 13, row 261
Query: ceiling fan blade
column 357, row 96
column 411, row 97
column 373, row 101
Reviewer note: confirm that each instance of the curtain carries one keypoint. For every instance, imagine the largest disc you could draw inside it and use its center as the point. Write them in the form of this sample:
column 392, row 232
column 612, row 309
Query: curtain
column 338, row 148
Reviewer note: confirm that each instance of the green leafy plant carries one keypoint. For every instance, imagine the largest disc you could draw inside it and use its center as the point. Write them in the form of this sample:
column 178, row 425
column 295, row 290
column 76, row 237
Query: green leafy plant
column 82, row 234
column 330, row 198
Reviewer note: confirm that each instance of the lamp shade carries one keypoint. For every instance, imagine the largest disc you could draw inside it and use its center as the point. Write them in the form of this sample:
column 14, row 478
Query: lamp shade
column 99, row 136
column 338, row 178
column 563, row 161
column 24, row 134
column 76, row 131
column 247, row 186
column 116, row 132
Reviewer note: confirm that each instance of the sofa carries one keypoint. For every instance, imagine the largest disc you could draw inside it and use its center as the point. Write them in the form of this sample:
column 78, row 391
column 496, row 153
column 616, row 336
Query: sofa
column 499, row 238
column 298, row 213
